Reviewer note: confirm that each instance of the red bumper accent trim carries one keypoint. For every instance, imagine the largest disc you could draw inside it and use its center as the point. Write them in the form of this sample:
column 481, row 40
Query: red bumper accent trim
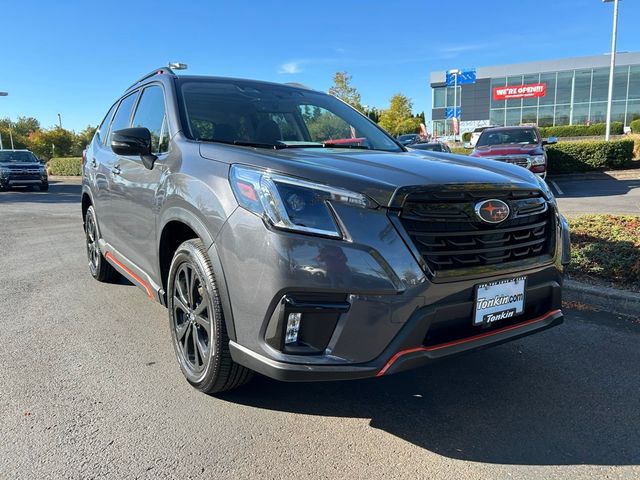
column 440, row 346
column 141, row 282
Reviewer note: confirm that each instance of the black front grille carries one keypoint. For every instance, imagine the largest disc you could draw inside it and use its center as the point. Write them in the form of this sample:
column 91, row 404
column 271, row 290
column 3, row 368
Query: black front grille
column 448, row 235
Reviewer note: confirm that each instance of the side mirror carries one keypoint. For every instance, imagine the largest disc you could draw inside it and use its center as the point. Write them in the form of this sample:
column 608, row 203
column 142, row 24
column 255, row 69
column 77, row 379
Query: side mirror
column 468, row 145
column 550, row 141
column 134, row 141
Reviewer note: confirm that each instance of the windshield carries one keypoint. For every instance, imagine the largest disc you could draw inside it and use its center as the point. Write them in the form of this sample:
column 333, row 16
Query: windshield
column 271, row 116
column 522, row 136
column 8, row 156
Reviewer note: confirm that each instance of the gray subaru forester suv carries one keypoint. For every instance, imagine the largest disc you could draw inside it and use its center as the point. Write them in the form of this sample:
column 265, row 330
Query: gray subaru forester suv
column 289, row 235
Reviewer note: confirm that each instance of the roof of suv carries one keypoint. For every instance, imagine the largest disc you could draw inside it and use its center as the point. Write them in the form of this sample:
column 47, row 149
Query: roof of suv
column 167, row 72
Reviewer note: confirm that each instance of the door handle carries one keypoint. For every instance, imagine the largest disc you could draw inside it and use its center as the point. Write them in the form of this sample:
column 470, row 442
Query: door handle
column 94, row 164
column 116, row 170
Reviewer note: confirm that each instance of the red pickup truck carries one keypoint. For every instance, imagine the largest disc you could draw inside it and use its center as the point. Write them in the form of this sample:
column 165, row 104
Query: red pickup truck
column 521, row 145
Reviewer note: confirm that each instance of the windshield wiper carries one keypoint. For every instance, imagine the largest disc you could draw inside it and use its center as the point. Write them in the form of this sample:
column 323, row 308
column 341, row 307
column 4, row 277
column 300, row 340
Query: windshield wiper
column 340, row 145
column 241, row 143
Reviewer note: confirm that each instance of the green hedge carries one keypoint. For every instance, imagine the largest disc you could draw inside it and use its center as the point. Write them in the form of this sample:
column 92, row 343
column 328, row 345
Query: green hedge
column 582, row 156
column 635, row 126
column 617, row 128
column 69, row 166
column 461, row 150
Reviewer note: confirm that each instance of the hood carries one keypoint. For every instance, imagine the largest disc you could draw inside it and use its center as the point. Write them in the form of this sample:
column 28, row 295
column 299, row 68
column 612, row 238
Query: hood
column 505, row 150
column 379, row 175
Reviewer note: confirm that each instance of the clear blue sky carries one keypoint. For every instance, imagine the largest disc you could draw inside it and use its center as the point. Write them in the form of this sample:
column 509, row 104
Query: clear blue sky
column 75, row 58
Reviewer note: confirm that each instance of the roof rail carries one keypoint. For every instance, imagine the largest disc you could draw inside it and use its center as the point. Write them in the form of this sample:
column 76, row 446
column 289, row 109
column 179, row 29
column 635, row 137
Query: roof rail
column 157, row 71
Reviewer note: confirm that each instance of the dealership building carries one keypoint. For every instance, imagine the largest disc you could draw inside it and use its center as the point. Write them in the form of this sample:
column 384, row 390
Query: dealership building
column 569, row 91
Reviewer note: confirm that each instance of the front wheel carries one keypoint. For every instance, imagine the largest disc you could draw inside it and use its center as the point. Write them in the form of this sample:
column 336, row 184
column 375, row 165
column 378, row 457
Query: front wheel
column 99, row 268
column 197, row 325
column 44, row 187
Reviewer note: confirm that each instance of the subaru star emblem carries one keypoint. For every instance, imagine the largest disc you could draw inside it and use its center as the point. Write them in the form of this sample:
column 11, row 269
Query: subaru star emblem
column 492, row 211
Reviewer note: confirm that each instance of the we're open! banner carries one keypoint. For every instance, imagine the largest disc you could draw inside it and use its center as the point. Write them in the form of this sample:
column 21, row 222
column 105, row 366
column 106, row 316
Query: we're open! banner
column 520, row 91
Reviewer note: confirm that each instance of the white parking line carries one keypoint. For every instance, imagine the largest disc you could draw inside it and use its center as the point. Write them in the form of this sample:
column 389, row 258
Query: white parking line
column 555, row 185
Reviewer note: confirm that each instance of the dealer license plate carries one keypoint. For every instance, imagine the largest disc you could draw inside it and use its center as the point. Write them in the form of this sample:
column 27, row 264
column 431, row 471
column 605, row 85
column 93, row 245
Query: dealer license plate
column 499, row 300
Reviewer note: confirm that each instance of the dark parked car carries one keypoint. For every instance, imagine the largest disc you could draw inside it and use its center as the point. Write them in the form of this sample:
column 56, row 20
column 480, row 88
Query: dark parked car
column 279, row 251
column 22, row 168
column 431, row 146
column 522, row 146
column 409, row 138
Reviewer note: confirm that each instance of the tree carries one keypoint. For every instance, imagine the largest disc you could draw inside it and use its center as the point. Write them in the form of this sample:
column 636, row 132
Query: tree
column 343, row 90
column 81, row 140
column 25, row 125
column 373, row 113
column 56, row 142
column 398, row 118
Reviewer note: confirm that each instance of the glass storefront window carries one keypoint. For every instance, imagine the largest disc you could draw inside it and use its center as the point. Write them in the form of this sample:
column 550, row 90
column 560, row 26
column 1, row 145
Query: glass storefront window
column 497, row 117
column 633, row 110
column 634, row 82
column 450, row 96
column 545, row 116
column 617, row 111
column 550, row 96
column 580, row 114
column 582, row 86
column 529, row 114
column 530, row 102
column 563, row 87
column 600, row 85
column 514, row 80
column 513, row 117
column 598, row 112
column 562, row 115
column 439, row 97
column 620, row 77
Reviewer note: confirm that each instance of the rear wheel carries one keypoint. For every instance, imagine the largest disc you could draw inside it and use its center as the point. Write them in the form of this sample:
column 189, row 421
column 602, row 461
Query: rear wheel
column 99, row 268
column 197, row 325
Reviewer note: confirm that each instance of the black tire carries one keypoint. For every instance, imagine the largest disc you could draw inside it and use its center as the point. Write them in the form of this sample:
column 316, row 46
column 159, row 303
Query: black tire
column 44, row 187
column 99, row 268
column 198, row 331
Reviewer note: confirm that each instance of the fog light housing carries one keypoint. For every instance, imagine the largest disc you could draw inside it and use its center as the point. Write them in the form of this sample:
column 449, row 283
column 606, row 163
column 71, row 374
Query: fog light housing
column 293, row 327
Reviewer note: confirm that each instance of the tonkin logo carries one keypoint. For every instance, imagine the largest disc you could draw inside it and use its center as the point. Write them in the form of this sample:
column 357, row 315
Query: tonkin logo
column 492, row 211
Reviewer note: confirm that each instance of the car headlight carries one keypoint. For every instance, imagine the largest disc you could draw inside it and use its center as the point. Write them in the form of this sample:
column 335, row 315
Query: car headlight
column 289, row 203
column 537, row 160
column 546, row 190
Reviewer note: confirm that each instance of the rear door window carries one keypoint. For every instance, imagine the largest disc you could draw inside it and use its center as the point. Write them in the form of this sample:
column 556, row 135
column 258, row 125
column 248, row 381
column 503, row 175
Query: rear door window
column 104, row 126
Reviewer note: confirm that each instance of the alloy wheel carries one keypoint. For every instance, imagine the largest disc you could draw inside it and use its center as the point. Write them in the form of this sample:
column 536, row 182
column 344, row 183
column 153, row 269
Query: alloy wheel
column 192, row 321
column 93, row 252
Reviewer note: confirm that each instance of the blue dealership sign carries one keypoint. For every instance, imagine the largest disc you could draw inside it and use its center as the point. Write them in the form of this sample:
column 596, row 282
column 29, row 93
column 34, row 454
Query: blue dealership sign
column 449, row 113
column 465, row 76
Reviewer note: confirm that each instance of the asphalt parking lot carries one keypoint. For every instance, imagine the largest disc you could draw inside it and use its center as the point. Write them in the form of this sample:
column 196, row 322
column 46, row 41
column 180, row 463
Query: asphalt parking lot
column 89, row 388
column 602, row 195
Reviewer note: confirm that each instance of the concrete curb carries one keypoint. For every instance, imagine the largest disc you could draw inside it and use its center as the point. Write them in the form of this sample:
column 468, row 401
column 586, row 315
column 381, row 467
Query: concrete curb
column 610, row 299
column 633, row 174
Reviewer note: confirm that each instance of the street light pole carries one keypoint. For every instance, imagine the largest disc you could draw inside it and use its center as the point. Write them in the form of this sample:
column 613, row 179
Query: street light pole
column 60, row 120
column 4, row 94
column 612, row 66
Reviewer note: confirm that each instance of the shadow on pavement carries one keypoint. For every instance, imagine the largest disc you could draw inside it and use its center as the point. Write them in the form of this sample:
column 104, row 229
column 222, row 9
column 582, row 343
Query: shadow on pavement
column 546, row 400
column 601, row 187
column 58, row 193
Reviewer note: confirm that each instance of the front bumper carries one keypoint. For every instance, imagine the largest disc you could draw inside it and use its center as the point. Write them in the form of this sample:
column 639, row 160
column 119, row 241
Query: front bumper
column 10, row 180
column 397, row 318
